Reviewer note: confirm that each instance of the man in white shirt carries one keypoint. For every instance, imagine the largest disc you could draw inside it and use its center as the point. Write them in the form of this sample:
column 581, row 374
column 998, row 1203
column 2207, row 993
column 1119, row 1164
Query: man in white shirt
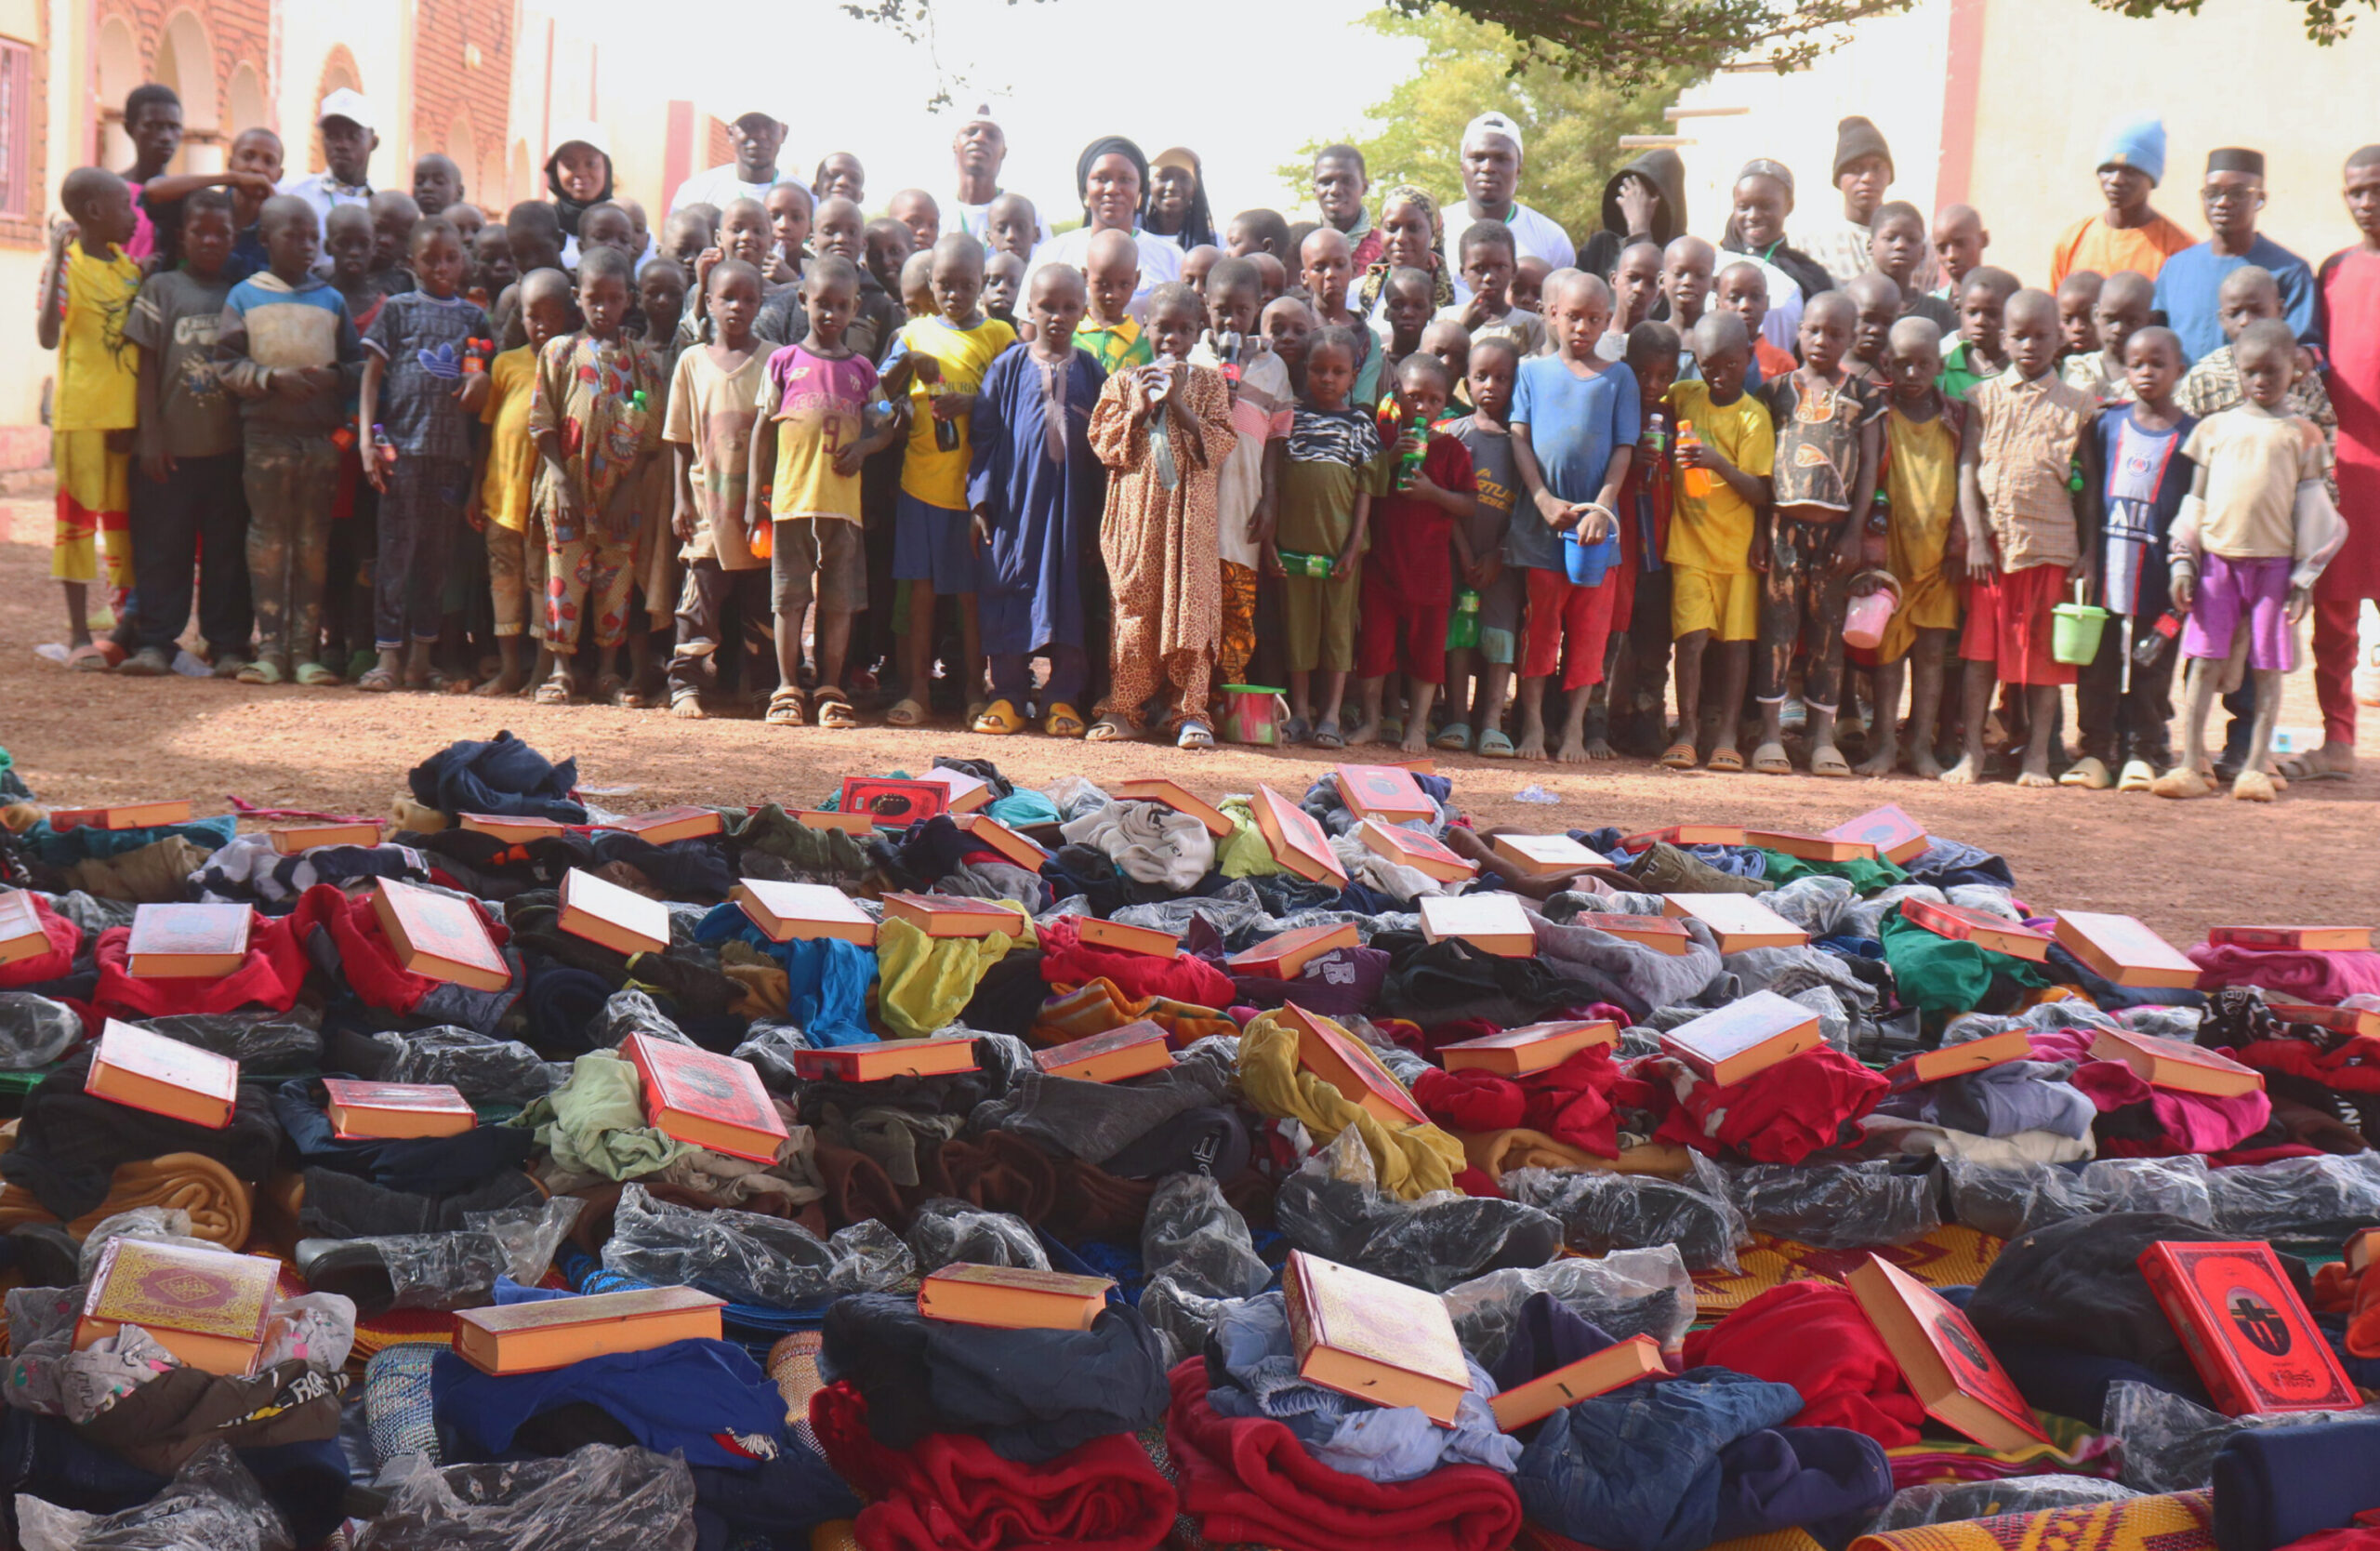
column 1491, row 181
column 348, row 143
column 980, row 149
column 756, row 137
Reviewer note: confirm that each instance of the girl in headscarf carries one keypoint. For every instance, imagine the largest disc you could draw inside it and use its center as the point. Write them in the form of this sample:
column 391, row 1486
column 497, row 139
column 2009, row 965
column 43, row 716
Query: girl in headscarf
column 1175, row 206
column 1112, row 176
column 1411, row 237
column 578, row 174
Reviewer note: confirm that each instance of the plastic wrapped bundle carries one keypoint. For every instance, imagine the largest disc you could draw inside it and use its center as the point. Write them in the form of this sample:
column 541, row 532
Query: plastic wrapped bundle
column 947, row 1232
column 1181, row 1318
column 1627, row 1292
column 1600, row 1212
column 1837, row 1206
column 2005, row 1201
column 35, row 1030
column 1199, row 1241
column 439, row 1270
column 2324, row 1198
column 632, row 1012
column 1937, row 1502
column 258, row 1041
column 2176, row 1186
column 483, row 1070
column 211, row 1504
column 2170, row 1442
column 770, row 1047
column 748, row 1258
column 1331, row 1207
column 597, row 1498
column 527, row 1235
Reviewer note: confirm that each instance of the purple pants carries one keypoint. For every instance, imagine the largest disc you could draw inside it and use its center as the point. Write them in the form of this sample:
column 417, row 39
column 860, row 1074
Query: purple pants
column 2230, row 591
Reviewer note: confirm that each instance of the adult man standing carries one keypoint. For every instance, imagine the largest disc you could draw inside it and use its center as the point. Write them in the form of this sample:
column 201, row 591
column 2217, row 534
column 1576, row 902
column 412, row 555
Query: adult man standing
column 2187, row 286
column 980, row 149
column 2127, row 234
column 348, row 143
column 1491, row 181
column 2349, row 292
column 1341, row 180
column 755, row 138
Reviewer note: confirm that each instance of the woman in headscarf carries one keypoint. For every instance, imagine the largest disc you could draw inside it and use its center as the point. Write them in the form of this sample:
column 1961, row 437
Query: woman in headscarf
column 1411, row 238
column 1112, row 176
column 578, row 174
column 1175, row 207
column 1763, row 199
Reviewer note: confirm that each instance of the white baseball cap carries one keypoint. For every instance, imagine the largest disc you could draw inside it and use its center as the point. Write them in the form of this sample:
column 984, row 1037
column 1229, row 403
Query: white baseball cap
column 1491, row 123
column 349, row 104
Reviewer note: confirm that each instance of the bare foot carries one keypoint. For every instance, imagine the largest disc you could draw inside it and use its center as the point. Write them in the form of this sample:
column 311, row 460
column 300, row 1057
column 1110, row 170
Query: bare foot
column 504, row 684
column 688, row 707
column 1922, row 762
column 1573, row 750
column 2337, row 758
column 2032, row 777
column 1416, row 739
column 1967, row 773
column 1363, row 731
column 1882, row 761
column 1601, row 748
column 1531, row 746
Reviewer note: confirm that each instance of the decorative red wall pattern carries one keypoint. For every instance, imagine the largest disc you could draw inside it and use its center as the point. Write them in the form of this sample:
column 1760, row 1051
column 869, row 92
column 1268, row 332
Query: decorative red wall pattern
column 463, row 67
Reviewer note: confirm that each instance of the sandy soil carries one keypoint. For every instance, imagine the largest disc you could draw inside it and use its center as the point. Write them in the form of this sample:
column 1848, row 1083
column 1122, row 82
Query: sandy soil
column 88, row 738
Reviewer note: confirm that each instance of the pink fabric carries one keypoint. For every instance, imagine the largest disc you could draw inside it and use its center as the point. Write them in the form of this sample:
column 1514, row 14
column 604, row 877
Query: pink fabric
column 2192, row 1122
column 2327, row 978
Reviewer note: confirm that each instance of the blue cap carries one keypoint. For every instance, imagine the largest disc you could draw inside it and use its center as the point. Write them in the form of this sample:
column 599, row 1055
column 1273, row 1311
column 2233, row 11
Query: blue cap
column 2135, row 142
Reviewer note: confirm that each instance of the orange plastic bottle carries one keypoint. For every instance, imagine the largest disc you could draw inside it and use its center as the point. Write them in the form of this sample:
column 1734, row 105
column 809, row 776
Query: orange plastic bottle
column 1693, row 482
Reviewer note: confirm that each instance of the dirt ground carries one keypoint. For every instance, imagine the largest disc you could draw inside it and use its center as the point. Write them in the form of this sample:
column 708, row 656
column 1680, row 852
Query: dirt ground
column 2313, row 858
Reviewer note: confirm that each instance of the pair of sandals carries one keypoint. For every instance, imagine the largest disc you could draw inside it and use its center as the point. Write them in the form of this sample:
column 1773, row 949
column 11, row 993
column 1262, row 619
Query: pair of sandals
column 791, row 706
column 1195, row 733
column 1324, row 734
column 1726, row 759
column 1001, row 719
column 264, row 670
column 1770, row 759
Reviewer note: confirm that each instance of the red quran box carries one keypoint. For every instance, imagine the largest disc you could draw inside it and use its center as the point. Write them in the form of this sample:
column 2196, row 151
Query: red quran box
column 514, row 829
column 890, row 802
column 1134, row 1050
column 1639, row 1357
column 1658, row 933
column 1738, row 920
column 2345, row 1020
column 801, row 912
column 1411, row 848
column 1284, row 957
column 2303, row 939
column 664, row 825
column 1948, row 1367
column 1295, row 839
column 1546, row 856
column 377, row 1111
column 1897, row 837
column 710, row 1100
column 1971, row 1055
column 306, row 837
column 873, row 1060
column 438, row 936
column 20, row 931
column 1374, row 1339
column 1147, row 941
column 1812, row 848
column 1685, row 835
column 2247, row 1334
column 1979, row 927
column 1744, row 1038
column 1517, row 1051
column 1381, row 792
column 146, row 1070
column 1348, row 1065
column 1172, row 794
column 950, row 915
column 1490, row 922
column 186, row 942
column 2176, row 1064
column 2124, row 950
column 622, row 919
column 122, row 815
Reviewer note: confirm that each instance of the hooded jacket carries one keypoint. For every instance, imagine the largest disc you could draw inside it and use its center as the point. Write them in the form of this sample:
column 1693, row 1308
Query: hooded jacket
column 1661, row 167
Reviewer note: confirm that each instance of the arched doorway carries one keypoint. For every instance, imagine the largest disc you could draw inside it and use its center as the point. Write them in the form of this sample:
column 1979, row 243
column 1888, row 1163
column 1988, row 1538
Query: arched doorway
column 119, row 61
column 186, row 62
column 338, row 71
column 462, row 147
column 243, row 105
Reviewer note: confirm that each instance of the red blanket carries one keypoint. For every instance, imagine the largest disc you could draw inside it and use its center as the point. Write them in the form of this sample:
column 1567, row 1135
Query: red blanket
column 366, row 959
column 1250, row 1479
column 1812, row 1335
column 1068, row 961
column 951, row 1492
column 65, row 941
column 269, row 977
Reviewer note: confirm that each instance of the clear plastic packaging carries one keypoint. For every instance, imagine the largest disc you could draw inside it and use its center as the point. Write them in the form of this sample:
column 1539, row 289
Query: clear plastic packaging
column 1865, row 918
column 35, row 1030
column 1627, row 1292
column 748, row 1258
column 312, row 1327
column 947, row 1232
column 770, row 1047
column 1332, row 1207
column 1949, row 1503
column 484, row 1070
column 1817, row 903
column 2176, row 1186
column 632, row 1012
column 528, row 1234
column 439, row 1270
column 2005, row 1201
column 1199, row 1241
column 2324, row 1198
column 1837, row 1206
column 1182, row 1319
column 170, row 1225
column 595, row 1498
column 211, row 1504
column 2170, row 1442
column 259, row 1042
column 1600, row 1212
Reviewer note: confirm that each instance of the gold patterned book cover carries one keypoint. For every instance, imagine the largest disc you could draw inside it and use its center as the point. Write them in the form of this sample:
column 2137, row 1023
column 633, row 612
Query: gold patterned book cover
column 173, row 1286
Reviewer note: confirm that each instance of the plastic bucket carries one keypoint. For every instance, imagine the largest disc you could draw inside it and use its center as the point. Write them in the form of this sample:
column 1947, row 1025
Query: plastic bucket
column 1254, row 714
column 1864, row 621
column 1587, row 563
column 2075, row 629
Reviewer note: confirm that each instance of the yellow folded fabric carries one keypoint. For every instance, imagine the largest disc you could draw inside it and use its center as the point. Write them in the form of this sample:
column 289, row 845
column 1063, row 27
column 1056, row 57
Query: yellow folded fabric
column 1411, row 1161
column 923, row 982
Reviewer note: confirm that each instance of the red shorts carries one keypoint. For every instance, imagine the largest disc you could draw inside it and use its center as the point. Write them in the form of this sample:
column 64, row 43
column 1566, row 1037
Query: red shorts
column 1569, row 627
column 2009, row 622
column 1394, row 634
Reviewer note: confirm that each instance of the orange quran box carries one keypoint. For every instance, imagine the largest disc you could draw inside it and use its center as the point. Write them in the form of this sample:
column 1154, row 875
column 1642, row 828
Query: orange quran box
column 1979, row 927
column 1971, row 1055
column 1490, row 922
column 1945, row 1365
column 1411, row 848
column 1546, row 856
column 206, row 1306
column 1348, row 1065
column 555, row 1333
column 1897, row 837
column 1147, row 941
column 2345, row 1020
column 1744, row 1038
column 122, row 815
column 990, row 834
column 891, row 803
column 950, row 915
column 1381, row 792
column 187, row 941
column 2124, row 950
column 828, row 818
column 710, row 1100
column 1623, row 1362
column 872, row 1060
column 2303, row 939
column 1012, row 1297
column 2362, row 1249
column 664, row 825
column 1134, row 1050
column 621, row 920
column 2176, row 1064
column 1811, row 848
column 1685, row 835
column 20, row 931
column 1172, row 794
column 2246, row 1331
column 514, row 828
column 1374, row 1339
column 961, row 793
column 1285, row 956
column 1295, row 839
column 306, row 837
column 375, row 1111
column 439, row 937
column 1516, row 1052
column 1658, row 933
column 800, row 912
column 1738, row 920
column 145, row 1070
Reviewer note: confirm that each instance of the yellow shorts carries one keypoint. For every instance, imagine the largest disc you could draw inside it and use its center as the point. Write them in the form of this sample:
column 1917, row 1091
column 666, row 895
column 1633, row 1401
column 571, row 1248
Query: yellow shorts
column 1727, row 604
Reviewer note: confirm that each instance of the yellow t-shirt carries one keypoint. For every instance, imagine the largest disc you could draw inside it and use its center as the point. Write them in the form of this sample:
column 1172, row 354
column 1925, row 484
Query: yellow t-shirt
column 932, row 475
column 99, row 369
column 511, row 456
column 1713, row 532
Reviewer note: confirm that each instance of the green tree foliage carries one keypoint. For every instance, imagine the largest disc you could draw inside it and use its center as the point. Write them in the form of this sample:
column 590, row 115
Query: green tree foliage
column 1571, row 124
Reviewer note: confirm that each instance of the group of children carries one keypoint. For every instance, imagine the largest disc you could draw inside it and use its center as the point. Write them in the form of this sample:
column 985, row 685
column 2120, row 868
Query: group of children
column 895, row 462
